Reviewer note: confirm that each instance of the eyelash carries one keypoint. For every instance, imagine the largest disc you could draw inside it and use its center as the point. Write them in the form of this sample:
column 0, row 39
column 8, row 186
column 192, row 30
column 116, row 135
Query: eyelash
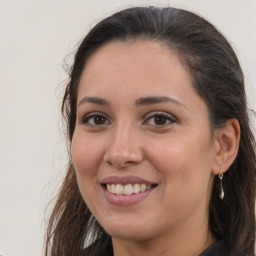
column 91, row 116
column 167, row 117
column 85, row 120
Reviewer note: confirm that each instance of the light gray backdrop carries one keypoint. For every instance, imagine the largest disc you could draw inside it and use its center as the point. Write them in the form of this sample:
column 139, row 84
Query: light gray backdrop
column 35, row 36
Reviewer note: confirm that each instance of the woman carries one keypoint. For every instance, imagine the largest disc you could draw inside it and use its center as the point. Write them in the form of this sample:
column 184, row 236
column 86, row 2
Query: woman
column 163, row 158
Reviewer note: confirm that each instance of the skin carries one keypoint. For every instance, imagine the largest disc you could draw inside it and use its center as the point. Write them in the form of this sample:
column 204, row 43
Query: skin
column 180, row 154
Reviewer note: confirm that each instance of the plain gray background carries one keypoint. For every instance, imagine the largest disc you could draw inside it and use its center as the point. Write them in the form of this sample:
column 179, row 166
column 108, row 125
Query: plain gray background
column 35, row 36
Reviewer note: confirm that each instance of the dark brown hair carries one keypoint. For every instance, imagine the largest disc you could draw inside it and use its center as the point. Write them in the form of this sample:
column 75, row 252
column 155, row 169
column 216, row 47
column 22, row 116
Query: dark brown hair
column 217, row 78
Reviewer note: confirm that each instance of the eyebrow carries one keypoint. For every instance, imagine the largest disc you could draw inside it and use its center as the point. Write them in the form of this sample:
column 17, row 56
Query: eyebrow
column 155, row 100
column 139, row 102
column 95, row 100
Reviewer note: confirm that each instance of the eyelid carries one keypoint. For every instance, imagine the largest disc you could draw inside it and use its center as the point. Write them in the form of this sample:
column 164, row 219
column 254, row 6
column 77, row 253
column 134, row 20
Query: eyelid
column 153, row 114
column 160, row 113
column 92, row 114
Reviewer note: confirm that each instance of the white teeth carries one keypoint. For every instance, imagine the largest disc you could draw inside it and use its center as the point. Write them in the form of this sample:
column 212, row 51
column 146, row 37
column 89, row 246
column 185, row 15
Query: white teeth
column 119, row 189
column 113, row 189
column 127, row 189
column 143, row 187
column 136, row 188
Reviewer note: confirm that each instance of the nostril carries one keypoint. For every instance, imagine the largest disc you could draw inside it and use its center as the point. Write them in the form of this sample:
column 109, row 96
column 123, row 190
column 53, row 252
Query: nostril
column 122, row 159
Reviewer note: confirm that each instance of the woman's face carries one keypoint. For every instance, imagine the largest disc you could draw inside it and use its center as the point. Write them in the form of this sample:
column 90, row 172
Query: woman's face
column 142, row 146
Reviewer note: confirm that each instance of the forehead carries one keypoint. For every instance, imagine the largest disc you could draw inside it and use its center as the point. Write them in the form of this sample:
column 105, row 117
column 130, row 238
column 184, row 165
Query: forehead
column 123, row 72
column 134, row 63
column 134, row 50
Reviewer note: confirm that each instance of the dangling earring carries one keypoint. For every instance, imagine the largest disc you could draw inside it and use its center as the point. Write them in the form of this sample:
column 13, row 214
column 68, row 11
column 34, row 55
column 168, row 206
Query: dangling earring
column 221, row 190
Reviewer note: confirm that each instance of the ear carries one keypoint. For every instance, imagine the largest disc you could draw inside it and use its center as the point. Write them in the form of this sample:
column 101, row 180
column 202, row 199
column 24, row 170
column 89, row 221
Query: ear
column 226, row 144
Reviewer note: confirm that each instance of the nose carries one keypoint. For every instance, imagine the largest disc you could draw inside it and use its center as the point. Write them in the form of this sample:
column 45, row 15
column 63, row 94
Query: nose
column 123, row 148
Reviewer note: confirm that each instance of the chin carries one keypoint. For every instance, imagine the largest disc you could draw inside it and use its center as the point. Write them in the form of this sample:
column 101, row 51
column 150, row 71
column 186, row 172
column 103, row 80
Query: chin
column 128, row 231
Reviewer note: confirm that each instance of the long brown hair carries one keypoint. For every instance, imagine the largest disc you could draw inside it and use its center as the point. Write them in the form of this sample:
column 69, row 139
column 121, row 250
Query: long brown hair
column 217, row 78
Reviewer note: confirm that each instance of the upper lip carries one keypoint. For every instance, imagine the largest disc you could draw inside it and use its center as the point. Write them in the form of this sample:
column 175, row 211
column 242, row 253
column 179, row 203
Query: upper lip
column 126, row 180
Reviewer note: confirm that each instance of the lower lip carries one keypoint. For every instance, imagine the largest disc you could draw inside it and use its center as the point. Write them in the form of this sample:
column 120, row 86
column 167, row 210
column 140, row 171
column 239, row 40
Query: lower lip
column 123, row 200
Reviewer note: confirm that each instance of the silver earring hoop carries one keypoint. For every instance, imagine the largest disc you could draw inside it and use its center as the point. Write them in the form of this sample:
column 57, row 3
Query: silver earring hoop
column 221, row 190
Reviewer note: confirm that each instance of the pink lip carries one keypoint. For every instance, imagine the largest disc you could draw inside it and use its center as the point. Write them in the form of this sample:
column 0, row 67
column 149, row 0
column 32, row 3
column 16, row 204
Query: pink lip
column 125, row 180
column 123, row 200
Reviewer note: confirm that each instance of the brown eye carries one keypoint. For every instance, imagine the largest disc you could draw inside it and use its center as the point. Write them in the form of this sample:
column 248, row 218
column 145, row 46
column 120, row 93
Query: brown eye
column 95, row 120
column 99, row 120
column 161, row 119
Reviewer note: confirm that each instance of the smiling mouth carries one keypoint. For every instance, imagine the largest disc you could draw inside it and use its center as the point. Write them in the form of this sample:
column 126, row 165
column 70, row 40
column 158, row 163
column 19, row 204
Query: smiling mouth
column 128, row 189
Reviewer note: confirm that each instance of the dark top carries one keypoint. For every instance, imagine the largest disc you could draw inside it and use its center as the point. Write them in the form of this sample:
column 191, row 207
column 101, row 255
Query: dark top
column 216, row 249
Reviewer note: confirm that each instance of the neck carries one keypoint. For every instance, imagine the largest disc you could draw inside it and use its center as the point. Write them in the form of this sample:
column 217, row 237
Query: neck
column 193, row 241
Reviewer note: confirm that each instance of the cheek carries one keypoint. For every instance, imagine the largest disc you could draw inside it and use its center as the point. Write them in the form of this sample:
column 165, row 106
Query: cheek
column 185, row 169
column 86, row 153
column 87, row 156
column 186, row 160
